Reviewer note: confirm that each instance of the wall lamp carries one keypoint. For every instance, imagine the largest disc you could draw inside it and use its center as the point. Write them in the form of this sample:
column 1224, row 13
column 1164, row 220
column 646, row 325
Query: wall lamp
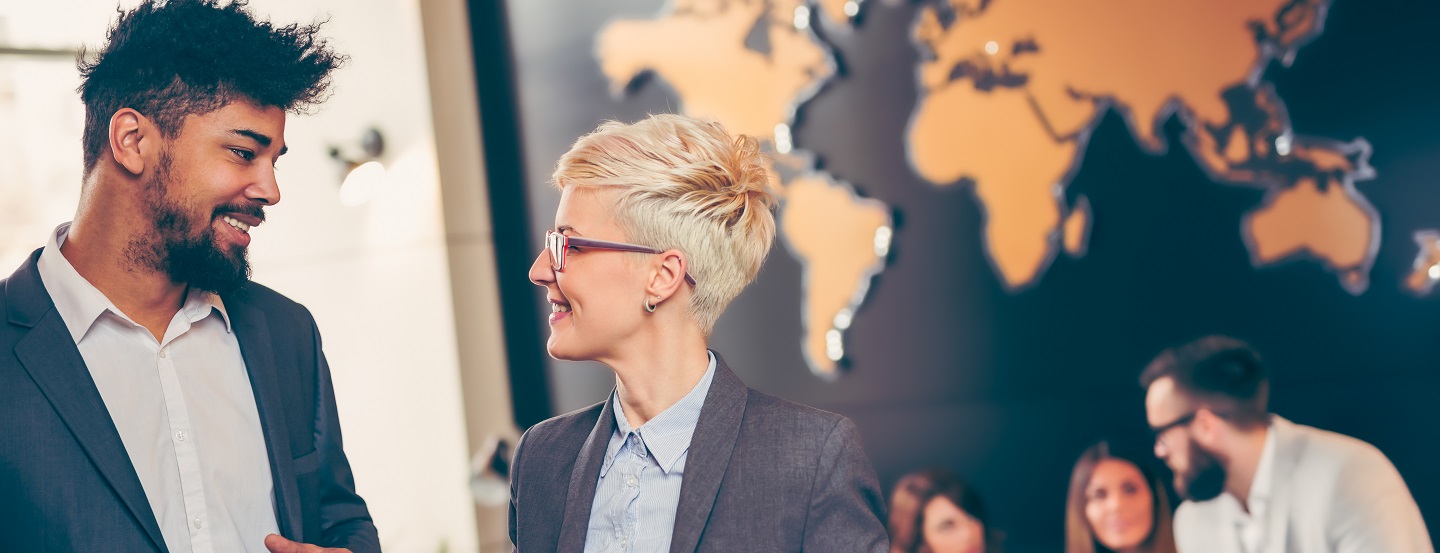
column 490, row 472
column 363, row 173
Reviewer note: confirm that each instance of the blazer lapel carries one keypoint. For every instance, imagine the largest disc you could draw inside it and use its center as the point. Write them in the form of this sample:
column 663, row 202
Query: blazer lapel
column 49, row 355
column 253, row 334
column 709, row 456
column 576, row 521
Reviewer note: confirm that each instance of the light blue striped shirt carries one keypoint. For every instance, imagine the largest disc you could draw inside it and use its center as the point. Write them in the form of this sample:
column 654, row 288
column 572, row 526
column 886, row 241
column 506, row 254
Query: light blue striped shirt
column 639, row 486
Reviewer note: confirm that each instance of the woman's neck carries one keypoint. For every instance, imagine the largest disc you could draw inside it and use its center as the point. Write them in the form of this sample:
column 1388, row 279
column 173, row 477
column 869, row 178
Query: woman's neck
column 658, row 373
column 1135, row 549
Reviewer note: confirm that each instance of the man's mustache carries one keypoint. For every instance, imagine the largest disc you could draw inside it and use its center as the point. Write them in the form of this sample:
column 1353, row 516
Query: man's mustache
column 243, row 208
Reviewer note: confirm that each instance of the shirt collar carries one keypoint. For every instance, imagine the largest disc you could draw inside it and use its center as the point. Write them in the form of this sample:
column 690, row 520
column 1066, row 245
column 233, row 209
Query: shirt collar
column 80, row 303
column 200, row 304
column 1258, row 500
column 1260, row 487
column 667, row 436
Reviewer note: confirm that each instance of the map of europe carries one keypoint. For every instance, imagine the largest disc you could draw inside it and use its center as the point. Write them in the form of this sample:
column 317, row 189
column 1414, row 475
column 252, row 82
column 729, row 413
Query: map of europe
column 1009, row 92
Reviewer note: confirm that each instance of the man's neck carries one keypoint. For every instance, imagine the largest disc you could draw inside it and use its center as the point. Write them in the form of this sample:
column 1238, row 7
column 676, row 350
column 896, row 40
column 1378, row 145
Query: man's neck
column 145, row 295
column 1244, row 463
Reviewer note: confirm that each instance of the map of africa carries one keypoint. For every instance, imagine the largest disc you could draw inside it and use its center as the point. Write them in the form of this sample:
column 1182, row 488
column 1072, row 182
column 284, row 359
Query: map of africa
column 1009, row 92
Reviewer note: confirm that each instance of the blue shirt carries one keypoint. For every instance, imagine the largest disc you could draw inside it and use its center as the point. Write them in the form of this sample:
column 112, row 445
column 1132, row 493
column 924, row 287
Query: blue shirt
column 639, row 486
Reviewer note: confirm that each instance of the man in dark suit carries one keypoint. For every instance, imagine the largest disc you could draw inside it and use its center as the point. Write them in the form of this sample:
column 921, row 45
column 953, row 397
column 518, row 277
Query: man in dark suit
column 151, row 397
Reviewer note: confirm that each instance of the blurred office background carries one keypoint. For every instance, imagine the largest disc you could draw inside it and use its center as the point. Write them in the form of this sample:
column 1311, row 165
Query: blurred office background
column 995, row 214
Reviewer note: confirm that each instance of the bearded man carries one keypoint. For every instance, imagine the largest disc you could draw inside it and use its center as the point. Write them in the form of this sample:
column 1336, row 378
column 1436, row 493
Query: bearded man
column 1254, row 482
column 151, row 397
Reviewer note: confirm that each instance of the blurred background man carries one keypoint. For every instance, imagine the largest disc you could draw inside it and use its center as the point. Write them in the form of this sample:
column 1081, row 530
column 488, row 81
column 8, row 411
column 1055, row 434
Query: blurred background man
column 1255, row 482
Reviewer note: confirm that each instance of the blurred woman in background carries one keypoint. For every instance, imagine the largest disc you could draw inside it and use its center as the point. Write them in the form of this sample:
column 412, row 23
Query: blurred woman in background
column 933, row 511
column 1116, row 505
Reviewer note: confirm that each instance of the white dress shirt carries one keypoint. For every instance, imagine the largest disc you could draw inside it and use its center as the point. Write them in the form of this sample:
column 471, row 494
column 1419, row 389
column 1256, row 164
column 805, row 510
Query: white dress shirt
column 183, row 407
column 1250, row 522
column 639, row 487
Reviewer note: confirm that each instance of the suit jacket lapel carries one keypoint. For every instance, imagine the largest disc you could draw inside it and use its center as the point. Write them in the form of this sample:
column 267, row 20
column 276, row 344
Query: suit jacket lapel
column 1288, row 450
column 583, row 478
column 253, row 334
column 709, row 456
column 49, row 355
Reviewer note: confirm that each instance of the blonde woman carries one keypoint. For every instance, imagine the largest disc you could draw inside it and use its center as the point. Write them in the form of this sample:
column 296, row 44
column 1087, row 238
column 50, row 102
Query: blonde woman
column 660, row 224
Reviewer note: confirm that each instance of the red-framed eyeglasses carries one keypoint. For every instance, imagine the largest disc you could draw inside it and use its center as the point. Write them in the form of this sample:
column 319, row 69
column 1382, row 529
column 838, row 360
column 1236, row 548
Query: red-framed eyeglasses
column 559, row 244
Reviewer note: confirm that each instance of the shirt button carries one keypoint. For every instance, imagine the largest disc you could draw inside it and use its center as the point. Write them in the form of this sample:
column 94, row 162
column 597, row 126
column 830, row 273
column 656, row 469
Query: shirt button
column 625, row 543
column 631, row 481
column 180, row 436
column 164, row 354
column 197, row 523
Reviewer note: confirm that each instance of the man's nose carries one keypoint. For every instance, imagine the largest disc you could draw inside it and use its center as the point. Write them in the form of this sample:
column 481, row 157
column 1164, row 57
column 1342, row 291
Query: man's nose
column 266, row 188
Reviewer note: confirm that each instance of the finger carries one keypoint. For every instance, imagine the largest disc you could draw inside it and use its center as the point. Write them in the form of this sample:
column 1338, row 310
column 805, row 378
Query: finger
column 278, row 544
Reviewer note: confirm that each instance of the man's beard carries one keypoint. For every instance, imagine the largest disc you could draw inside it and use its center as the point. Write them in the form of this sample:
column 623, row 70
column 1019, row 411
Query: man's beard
column 1205, row 480
column 183, row 246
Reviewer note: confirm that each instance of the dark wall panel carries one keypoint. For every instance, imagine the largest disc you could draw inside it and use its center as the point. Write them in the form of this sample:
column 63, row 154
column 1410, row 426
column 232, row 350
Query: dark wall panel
column 949, row 369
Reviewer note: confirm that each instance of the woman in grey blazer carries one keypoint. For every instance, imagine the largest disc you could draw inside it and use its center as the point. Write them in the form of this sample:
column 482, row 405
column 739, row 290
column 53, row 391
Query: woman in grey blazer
column 660, row 224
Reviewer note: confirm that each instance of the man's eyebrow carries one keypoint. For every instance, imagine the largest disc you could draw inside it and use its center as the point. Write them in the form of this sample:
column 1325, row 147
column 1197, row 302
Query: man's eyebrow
column 262, row 139
column 562, row 228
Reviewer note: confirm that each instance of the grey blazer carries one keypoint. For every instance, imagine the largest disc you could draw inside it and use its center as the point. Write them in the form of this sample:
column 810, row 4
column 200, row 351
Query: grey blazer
column 66, row 483
column 763, row 474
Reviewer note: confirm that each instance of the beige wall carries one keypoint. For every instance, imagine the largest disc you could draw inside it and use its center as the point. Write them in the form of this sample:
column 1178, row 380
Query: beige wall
column 418, row 361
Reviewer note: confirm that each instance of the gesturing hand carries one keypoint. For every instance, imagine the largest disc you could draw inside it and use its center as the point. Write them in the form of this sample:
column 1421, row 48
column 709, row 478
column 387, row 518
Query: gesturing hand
column 277, row 544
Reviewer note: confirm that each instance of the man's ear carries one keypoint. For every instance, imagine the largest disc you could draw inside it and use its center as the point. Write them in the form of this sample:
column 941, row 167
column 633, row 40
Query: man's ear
column 130, row 135
column 1207, row 426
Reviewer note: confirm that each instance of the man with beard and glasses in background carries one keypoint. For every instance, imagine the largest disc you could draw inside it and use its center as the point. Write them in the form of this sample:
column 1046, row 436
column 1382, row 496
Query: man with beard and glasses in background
column 1255, row 482
column 151, row 397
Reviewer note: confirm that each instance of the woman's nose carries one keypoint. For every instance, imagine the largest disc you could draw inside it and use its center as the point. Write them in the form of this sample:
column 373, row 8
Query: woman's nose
column 1112, row 503
column 540, row 272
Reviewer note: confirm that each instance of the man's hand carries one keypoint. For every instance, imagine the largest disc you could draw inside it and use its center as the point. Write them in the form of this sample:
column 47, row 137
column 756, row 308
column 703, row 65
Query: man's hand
column 277, row 544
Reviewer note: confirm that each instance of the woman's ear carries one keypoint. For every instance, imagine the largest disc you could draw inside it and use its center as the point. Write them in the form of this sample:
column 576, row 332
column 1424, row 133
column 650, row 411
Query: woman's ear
column 130, row 133
column 669, row 274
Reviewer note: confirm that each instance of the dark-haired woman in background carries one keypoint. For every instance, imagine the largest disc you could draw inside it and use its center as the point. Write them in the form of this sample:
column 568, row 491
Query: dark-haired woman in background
column 933, row 511
column 1116, row 505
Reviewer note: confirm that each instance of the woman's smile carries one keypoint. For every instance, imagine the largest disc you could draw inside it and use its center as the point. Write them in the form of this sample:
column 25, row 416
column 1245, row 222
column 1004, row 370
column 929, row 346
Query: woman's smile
column 559, row 309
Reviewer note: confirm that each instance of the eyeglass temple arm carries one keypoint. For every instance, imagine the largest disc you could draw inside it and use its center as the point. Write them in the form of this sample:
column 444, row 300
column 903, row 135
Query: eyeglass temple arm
column 619, row 246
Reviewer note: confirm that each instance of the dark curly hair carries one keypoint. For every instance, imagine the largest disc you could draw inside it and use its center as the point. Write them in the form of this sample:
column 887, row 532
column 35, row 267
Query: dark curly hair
column 170, row 59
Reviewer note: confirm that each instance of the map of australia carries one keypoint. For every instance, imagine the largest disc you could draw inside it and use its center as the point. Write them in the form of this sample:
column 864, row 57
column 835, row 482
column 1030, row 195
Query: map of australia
column 1008, row 94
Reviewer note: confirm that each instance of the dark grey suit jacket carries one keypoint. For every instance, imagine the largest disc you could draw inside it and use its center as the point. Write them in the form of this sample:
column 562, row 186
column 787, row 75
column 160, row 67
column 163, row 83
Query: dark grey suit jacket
column 762, row 474
column 66, row 482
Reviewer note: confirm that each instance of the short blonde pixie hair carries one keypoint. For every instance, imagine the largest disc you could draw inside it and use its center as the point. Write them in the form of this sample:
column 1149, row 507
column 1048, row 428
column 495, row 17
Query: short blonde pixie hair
column 684, row 183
